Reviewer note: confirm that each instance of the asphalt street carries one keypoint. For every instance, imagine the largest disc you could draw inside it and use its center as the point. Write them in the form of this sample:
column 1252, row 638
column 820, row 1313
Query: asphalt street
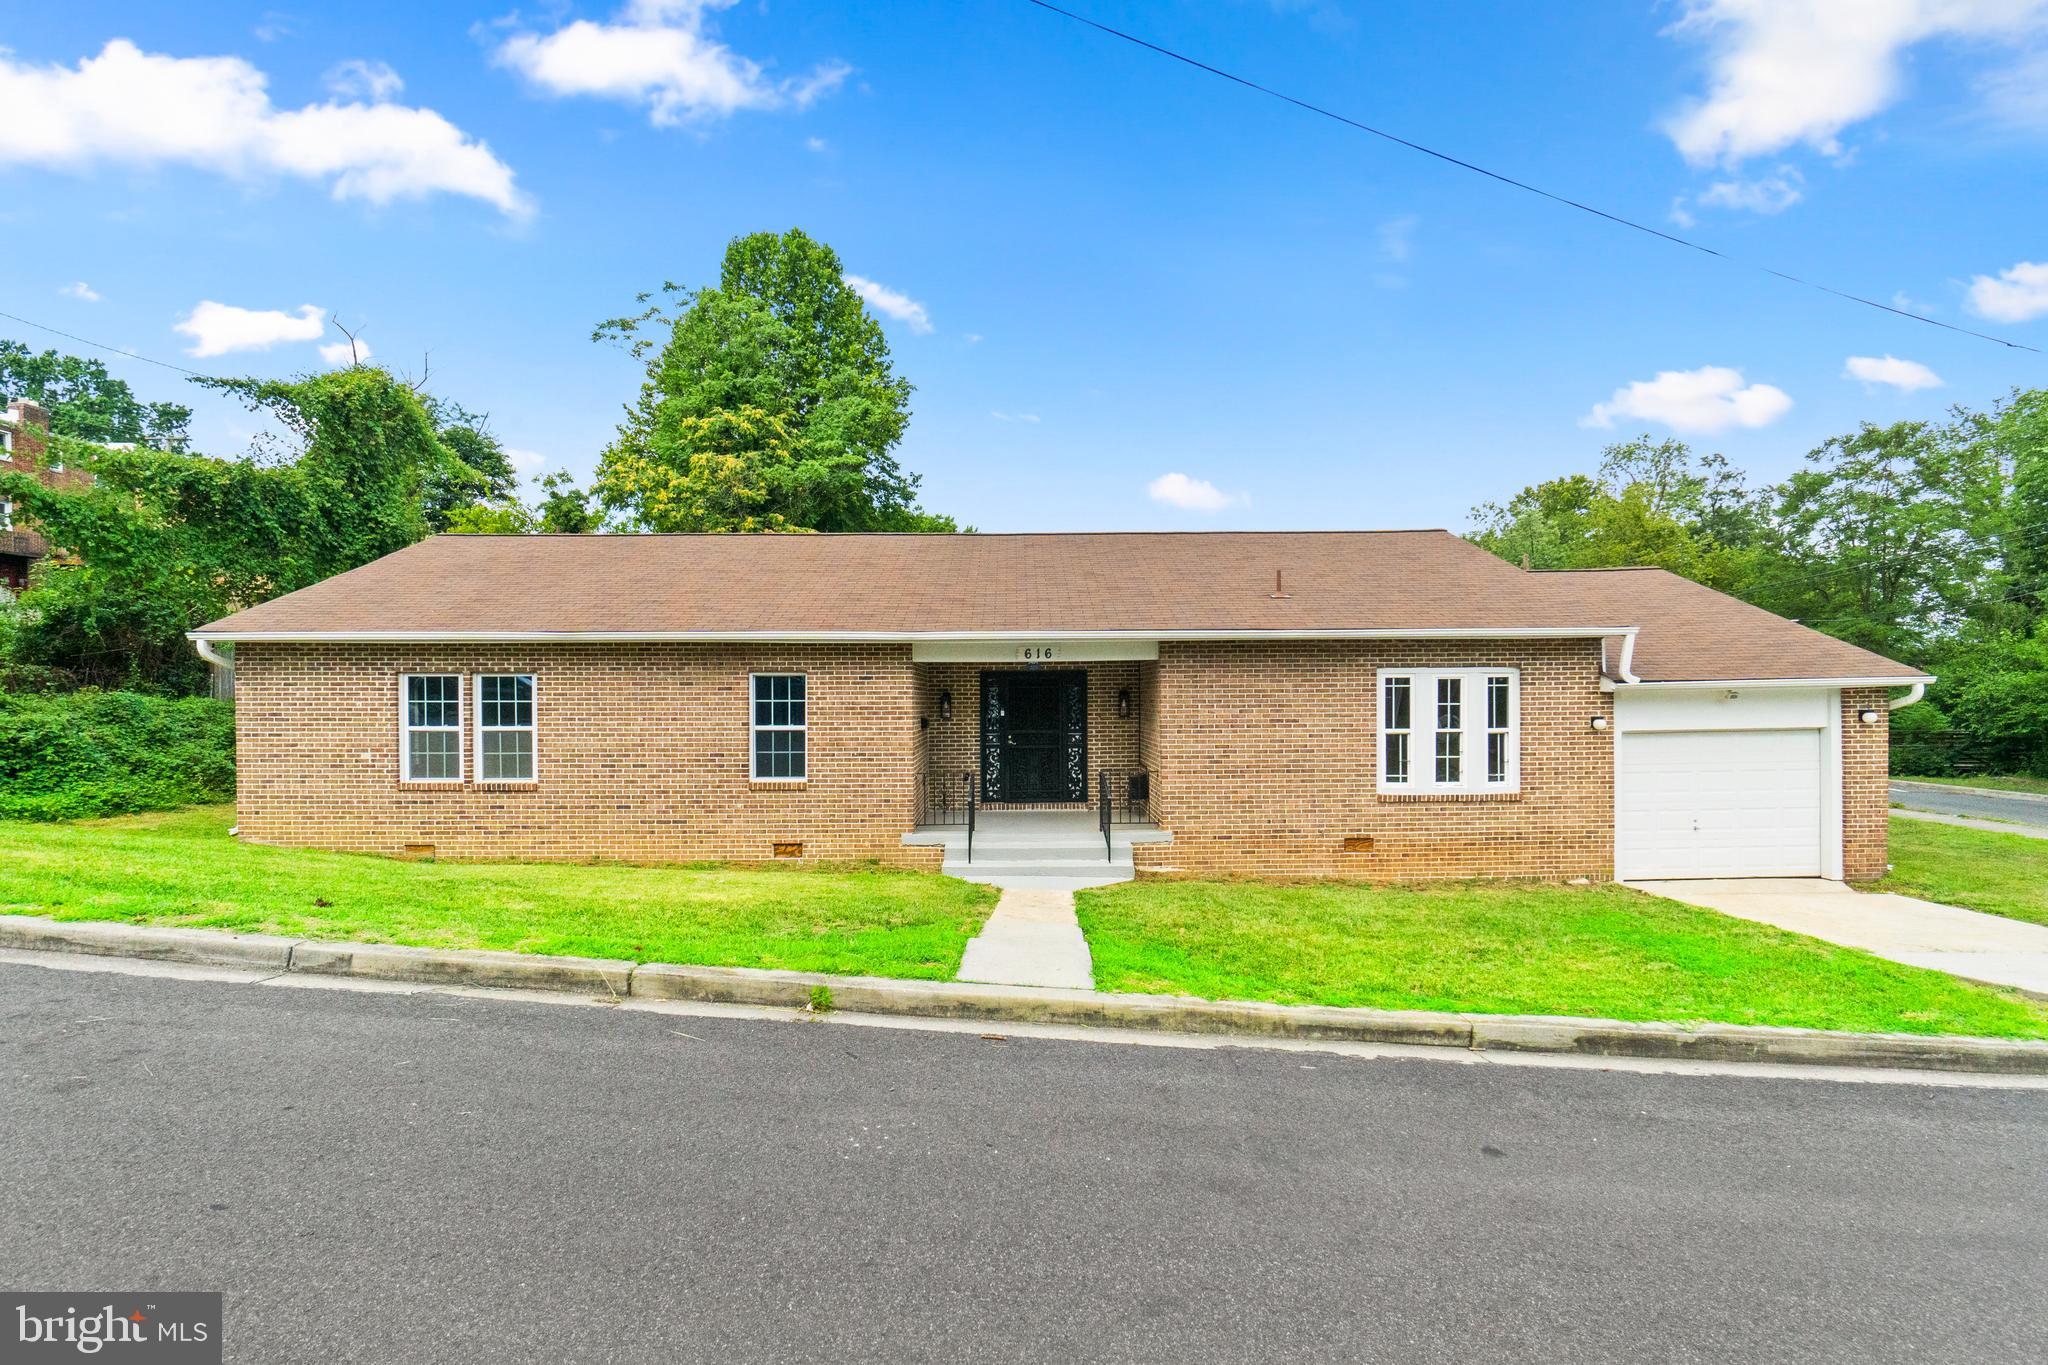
column 389, row 1178
column 2017, row 808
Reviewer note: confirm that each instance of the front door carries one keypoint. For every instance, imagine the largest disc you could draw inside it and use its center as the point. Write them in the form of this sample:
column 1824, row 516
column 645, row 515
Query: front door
column 1034, row 735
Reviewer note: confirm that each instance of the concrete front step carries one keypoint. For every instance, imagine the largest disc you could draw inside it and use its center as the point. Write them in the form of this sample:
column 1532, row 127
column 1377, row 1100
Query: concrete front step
column 1038, row 867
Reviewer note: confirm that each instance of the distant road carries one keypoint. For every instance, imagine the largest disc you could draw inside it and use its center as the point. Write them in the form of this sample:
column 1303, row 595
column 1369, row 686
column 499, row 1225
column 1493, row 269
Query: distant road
column 2019, row 808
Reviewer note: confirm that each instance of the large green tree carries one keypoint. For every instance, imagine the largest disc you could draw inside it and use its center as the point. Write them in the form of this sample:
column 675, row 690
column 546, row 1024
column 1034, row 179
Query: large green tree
column 770, row 403
column 86, row 402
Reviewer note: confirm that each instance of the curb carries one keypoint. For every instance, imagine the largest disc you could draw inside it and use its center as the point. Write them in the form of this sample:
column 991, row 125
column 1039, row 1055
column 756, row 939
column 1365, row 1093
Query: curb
column 1964, row 789
column 620, row 980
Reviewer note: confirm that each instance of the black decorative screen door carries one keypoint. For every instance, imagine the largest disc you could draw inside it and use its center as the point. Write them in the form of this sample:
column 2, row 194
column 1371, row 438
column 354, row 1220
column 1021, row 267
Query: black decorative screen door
column 1034, row 736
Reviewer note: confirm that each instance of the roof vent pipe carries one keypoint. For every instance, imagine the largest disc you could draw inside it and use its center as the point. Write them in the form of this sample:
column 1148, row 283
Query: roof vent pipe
column 1279, row 587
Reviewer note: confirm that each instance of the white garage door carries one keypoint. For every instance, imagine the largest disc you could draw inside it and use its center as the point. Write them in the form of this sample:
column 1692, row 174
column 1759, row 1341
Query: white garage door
column 1725, row 803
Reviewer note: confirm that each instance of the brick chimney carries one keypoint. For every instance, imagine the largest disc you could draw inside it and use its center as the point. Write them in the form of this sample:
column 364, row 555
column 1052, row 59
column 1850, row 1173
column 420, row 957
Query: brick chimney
column 27, row 433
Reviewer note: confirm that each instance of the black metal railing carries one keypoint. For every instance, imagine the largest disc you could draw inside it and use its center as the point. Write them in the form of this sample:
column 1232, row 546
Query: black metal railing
column 1127, row 796
column 1102, row 808
column 972, row 805
column 945, row 798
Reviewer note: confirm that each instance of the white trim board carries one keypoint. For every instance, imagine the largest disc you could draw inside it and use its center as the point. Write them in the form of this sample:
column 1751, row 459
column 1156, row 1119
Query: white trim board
column 883, row 636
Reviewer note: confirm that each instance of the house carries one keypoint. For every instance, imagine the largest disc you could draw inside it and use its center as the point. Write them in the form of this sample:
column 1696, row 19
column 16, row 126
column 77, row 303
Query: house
column 24, row 448
column 1353, row 704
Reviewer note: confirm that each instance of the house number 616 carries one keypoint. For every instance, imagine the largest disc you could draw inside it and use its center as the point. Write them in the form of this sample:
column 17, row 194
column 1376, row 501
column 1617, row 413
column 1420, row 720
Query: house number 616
column 1033, row 654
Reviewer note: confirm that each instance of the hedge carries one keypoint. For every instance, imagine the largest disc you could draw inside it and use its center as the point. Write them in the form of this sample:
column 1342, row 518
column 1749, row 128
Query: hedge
column 68, row 756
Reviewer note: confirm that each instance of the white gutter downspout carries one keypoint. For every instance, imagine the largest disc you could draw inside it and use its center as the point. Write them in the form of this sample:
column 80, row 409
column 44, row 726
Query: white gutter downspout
column 212, row 655
column 1913, row 694
column 1625, row 669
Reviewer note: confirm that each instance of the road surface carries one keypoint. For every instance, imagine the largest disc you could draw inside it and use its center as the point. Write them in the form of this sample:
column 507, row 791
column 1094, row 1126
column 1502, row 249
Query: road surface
column 2018, row 808
column 385, row 1178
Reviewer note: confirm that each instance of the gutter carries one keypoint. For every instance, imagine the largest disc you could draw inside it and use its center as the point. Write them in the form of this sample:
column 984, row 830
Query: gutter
column 1913, row 694
column 204, row 644
column 204, row 636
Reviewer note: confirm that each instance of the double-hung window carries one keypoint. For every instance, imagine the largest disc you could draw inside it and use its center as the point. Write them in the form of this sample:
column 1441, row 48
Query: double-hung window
column 430, row 727
column 1450, row 730
column 780, row 727
column 504, row 727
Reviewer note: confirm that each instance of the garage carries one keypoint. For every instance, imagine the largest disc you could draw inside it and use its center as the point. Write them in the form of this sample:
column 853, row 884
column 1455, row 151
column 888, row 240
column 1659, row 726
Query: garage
column 1708, row 787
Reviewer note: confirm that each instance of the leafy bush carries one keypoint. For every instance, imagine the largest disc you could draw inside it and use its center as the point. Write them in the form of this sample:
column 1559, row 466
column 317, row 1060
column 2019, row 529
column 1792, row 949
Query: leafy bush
column 72, row 755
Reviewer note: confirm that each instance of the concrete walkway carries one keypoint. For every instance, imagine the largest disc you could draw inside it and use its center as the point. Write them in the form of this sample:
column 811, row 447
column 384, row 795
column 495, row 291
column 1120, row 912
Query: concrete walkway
column 1031, row 939
column 1966, row 943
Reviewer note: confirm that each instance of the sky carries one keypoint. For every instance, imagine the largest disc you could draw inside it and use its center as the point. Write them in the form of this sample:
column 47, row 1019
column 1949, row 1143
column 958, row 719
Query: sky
column 1130, row 295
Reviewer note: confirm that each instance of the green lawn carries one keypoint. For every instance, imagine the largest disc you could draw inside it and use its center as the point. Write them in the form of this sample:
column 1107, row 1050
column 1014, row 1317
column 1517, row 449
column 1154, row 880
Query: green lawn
column 182, row 868
column 1979, row 869
column 2037, row 785
column 1511, row 948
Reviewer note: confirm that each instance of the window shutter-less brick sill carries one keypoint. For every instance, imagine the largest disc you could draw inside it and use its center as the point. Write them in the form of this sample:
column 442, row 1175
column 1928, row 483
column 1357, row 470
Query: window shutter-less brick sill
column 1447, row 798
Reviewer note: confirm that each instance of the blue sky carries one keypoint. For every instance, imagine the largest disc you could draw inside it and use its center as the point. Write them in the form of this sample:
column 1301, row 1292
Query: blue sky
column 1105, row 268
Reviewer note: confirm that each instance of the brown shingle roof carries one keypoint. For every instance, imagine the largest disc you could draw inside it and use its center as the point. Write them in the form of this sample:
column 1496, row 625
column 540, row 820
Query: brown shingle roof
column 906, row 586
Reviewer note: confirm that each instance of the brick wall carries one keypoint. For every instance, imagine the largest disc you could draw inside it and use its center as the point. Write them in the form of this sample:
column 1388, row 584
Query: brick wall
column 1268, row 764
column 1866, row 800
column 643, row 753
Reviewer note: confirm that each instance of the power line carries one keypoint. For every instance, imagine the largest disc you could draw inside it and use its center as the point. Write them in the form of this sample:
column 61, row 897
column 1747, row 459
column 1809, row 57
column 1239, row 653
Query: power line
column 1509, row 180
column 101, row 346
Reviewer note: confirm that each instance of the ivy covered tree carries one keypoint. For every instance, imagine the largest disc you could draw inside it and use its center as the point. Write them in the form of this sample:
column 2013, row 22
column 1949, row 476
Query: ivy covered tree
column 770, row 403
column 163, row 542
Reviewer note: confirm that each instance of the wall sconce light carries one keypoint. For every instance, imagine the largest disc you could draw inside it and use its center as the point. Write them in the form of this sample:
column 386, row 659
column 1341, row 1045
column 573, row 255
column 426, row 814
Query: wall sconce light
column 1599, row 722
column 1123, row 703
column 1867, row 717
column 945, row 705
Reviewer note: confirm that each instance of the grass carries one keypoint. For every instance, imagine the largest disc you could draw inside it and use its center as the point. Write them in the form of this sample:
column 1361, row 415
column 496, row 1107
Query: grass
column 2036, row 785
column 181, row 868
column 1978, row 869
column 1516, row 948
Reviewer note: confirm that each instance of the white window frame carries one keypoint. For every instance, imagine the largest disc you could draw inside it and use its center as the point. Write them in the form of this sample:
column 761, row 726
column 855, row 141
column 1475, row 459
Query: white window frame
column 1472, row 729
column 531, row 730
column 406, row 730
column 754, row 727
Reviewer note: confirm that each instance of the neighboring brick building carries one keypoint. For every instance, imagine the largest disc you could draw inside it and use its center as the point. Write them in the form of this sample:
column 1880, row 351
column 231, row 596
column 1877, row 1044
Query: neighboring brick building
column 25, row 449
column 1379, row 705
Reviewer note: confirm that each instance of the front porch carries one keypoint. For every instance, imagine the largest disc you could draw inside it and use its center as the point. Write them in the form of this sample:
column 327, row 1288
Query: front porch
column 1044, row 849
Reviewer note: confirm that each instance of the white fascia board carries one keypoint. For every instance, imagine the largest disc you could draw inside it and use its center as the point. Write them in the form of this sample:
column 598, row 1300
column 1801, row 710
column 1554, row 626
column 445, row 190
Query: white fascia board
column 882, row 636
column 1718, row 684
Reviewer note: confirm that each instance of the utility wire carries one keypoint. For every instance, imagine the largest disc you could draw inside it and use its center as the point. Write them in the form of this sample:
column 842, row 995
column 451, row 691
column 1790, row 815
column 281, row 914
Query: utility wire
column 1509, row 180
column 101, row 346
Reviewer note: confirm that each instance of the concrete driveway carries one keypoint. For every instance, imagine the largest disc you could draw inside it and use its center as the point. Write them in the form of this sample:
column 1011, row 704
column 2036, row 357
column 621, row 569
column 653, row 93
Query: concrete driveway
column 1966, row 943
column 1978, row 807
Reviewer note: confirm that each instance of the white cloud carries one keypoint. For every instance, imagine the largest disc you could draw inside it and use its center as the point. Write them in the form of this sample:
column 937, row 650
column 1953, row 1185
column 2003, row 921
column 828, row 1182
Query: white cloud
column 1790, row 71
column 1192, row 495
column 1030, row 418
column 818, row 145
column 891, row 303
column 358, row 79
column 1903, row 375
column 2019, row 294
column 1901, row 299
column 218, row 328
column 81, row 291
column 972, row 338
column 145, row 109
column 525, row 461
column 1766, row 195
column 345, row 352
column 661, row 54
column 1711, row 398
column 1397, row 238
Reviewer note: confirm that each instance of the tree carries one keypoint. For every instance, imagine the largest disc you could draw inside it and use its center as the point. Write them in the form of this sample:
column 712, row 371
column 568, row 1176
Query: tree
column 87, row 403
column 771, row 403
column 169, row 541
column 565, row 508
column 478, row 472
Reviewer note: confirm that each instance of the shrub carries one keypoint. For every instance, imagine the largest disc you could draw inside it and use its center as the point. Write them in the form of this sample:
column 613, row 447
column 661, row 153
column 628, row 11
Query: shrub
column 67, row 756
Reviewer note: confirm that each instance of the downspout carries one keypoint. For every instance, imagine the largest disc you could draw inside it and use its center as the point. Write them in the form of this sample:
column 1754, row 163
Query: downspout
column 1625, row 669
column 1913, row 694
column 212, row 655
